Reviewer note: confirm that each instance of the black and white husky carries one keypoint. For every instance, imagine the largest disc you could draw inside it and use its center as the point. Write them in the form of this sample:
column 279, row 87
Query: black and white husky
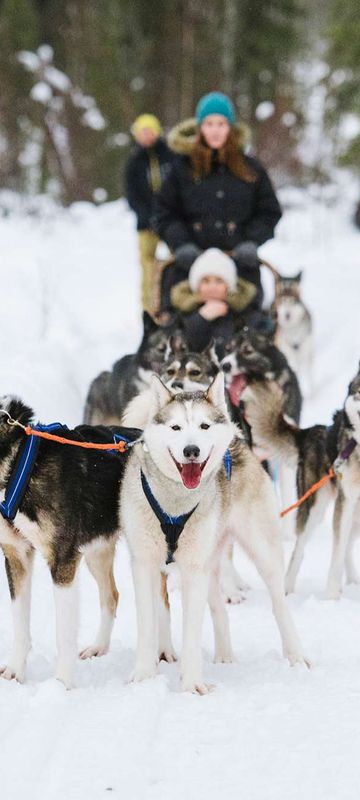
column 294, row 329
column 252, row 357
column 191, row 482
column 312, row 451
column 112, row 390
column 69, row 509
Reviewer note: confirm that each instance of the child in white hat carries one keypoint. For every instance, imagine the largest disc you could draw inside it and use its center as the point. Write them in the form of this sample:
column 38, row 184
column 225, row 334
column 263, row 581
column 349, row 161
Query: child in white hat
column 212, row 299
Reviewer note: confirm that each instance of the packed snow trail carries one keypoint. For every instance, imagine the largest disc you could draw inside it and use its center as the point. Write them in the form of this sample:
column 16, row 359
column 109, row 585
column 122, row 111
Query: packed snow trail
column 70, row 308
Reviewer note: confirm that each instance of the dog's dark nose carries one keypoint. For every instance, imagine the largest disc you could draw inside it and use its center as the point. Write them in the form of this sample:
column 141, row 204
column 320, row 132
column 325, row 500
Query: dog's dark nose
column 226, row 367
column 191, row 451
column 177, row 385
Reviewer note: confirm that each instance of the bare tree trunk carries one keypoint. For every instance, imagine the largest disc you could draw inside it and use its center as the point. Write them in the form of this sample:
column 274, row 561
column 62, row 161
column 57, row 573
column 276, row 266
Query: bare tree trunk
column 187, row 60
column 229, row 45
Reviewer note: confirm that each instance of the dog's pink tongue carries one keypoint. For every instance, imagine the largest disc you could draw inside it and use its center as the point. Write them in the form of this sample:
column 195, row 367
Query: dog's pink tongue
column 191, row 474
column 236, row 388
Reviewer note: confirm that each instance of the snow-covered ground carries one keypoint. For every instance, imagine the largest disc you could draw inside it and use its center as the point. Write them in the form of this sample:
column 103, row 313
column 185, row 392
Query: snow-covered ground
column 70, row 307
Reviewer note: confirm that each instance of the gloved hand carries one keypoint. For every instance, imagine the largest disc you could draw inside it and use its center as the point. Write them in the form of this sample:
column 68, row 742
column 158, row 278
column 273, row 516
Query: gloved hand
column 185, row 255
column 245, row 255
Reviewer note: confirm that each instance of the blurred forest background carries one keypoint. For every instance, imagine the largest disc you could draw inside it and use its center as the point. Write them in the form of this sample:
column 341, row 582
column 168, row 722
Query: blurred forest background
column 75, row 73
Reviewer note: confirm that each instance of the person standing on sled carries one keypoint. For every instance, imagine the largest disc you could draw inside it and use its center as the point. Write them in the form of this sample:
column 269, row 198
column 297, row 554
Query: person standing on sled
column 146, row 169
column 214, row 196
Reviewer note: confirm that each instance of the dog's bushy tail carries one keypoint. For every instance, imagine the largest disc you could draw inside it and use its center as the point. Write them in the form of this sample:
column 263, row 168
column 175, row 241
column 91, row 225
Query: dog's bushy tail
column 264, row 411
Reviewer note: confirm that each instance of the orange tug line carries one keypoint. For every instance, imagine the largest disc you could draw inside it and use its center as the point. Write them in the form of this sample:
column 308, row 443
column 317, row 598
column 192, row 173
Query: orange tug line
column 121, row 446
column 312, row 490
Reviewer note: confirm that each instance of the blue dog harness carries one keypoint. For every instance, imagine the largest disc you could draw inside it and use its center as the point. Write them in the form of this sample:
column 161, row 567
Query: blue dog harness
column 22, row 471
column 172, row 527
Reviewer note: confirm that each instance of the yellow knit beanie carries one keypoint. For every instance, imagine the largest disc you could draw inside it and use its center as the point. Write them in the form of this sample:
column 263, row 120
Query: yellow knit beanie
column 146, row 121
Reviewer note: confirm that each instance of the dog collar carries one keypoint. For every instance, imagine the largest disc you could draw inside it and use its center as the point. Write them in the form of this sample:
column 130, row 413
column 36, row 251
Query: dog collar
column 22, row 471
column 173, row 527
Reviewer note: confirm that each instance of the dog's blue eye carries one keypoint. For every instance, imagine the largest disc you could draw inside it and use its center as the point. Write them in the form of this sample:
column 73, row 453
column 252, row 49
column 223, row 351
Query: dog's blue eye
column 204, row 426
column 175, row 428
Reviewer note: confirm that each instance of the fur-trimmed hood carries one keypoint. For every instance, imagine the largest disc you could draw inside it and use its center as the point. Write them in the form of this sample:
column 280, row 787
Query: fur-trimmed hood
column 182, row 137
column 187, row 301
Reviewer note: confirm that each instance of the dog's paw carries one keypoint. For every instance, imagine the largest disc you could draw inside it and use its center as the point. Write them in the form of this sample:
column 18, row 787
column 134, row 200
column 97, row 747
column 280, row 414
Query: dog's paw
column 225, row 657
column 234, row 596
column 12, row 674
column 196, row 687
column 298, row 658
column 93, row 651
column 168, row 655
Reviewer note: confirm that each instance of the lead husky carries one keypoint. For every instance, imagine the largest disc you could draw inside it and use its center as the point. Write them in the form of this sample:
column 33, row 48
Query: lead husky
column 190, row 372
column 312, row 451
column 181, row 475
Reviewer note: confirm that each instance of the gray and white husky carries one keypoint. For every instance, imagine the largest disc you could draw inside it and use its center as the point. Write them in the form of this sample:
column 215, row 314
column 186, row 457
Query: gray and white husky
column 190, row 372
column 183, row 468
column 312, row 451
column 294, row 329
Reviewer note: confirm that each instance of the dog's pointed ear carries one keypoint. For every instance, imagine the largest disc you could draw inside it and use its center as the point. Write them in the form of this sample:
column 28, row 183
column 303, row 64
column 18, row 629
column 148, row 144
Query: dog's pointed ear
column 298, row 277
column 177, row 344
column 216, row 392
column 148, row 323
column 210, row 352
column 160, row 395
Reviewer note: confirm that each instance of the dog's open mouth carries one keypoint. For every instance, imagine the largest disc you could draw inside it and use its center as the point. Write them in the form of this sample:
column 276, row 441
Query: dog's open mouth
column 191, row 471
column 236, row 388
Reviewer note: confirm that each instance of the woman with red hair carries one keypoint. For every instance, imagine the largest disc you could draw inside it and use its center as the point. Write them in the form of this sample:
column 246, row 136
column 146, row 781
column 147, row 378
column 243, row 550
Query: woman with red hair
column 214, row 196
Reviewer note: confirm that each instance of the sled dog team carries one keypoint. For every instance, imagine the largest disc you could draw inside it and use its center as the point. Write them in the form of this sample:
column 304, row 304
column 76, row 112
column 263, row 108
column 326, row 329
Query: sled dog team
column 188, row 485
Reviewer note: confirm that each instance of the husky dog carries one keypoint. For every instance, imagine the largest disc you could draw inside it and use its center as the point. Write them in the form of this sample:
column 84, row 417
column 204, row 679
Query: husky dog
column 69, row 508
column 293, row 327
column 110, row 392
column 312, row 451
column 183, row 371
column 190, row 372
column 253, row 356
column 191, row 482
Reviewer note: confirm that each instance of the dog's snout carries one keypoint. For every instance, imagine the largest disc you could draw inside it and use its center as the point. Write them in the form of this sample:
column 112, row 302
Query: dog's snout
column 177, row 385
column 191, row 451
column 226, row 366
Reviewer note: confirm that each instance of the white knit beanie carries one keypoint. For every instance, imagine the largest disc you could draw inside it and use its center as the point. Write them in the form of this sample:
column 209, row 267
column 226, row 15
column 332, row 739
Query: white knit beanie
column 213, row 262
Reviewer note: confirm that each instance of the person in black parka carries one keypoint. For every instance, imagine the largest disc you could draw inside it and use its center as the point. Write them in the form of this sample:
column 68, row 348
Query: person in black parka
column 146, row 169
column 214, row 196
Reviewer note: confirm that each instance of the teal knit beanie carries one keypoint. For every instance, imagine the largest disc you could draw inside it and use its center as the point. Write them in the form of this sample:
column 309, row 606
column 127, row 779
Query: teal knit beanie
column 215, row 103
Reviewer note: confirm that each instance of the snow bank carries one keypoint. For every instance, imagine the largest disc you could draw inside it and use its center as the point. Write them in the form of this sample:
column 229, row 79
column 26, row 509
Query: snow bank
column 69, row 308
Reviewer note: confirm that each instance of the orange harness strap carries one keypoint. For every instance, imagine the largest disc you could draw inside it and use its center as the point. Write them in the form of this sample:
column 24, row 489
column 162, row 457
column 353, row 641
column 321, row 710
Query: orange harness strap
column 121, row 446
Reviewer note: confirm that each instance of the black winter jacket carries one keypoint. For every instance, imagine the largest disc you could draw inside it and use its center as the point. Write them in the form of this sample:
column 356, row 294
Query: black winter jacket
column 220, row 210
column 139, row 182
column 199, row 331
